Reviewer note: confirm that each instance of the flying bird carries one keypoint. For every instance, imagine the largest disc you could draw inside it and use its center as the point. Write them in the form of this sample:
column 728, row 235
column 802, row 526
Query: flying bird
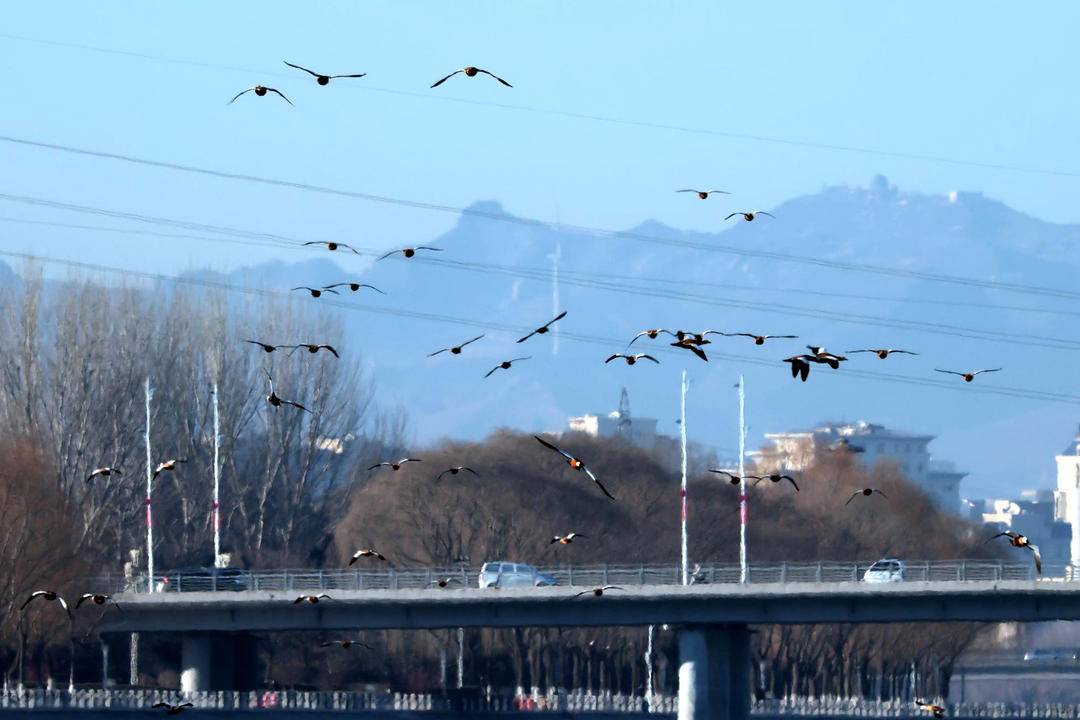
column 316, row 292
column 599, row 591
column 261, row 90
column 455, row 349
column 749, row 216
column 822, row 356
column 366, row 553
column 332, row 246
column 314, row 348
column 1021, row 541
column 166, row 466
column 774, row 478
column 883, row 353
column 471, row 71
column 103, row 472
column 49, row 595
column 704, row 194
column 395, row 466
column 732, row 477
column 632, row 359
column 311, row 599
column 865, row 492
column 344, row 644
column 354, row 286
column 688, row 343
column 266, row 347
column 651, row 334
column 409, row 251
column 277, row 401
column 445, row 581
column 505, row 364
column 319, row 77
column 565, row 539
column 968, row 376
column 455, row 471
column 760, row 339
column 543, row 329
column 697, row 338
column 936, row 710
column 97, row 599
column 800, row 366
column 575, row 464
column 171, row 709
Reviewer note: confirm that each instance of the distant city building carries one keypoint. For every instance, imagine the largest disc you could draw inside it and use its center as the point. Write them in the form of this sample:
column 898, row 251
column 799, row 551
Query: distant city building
column 1067, row 495
column 1034, row 514
column 794, row 452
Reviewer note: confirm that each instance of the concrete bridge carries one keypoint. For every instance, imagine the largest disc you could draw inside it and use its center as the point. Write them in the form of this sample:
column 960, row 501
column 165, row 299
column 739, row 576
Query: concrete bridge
column 713, row 619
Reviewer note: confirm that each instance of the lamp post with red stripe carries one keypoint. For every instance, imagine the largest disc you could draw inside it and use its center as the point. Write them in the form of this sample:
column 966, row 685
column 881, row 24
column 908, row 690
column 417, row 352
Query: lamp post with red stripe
column 682, row 491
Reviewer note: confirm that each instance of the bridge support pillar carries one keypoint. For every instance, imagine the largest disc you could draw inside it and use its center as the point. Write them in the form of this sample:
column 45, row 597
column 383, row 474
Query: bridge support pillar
column 217, row 661
column 714, row 672
column 196, row 660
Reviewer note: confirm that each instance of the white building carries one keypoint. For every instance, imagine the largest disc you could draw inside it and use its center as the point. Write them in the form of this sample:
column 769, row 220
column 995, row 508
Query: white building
column 794, row 451
column 1067, row 495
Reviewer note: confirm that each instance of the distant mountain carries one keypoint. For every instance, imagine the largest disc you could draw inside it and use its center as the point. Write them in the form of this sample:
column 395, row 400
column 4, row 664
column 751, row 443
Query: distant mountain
column 498, row 273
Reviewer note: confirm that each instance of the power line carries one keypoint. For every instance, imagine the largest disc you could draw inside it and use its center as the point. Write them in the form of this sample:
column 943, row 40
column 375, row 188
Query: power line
column 582, row 229
column 515, row 330
column 642, row 124
column 282, row 241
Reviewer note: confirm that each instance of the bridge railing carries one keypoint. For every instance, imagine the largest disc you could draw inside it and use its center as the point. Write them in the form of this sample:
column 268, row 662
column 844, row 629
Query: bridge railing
column 301, row 580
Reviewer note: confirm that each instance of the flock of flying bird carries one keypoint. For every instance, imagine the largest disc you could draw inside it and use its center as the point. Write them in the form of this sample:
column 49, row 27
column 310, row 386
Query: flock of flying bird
column 693, row 342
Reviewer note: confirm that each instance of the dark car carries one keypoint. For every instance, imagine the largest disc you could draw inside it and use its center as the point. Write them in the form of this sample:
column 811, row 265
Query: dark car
column 206, row 579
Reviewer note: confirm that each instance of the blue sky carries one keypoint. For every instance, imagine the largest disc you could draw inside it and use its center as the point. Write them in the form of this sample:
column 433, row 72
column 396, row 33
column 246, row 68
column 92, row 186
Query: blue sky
column 984, row 82
column 966, row 80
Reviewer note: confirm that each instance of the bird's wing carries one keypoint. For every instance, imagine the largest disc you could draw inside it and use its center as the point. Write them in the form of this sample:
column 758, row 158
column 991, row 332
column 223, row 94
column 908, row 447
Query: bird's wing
column 527, row 337
column 407, row 460
column 556, row 319
column 328, row 643
column 378, row 465
column 373, row 288
column 83, row 599
column 313, row 242
column 427, row 247
column 749, row 335
column 854, row 495
column 350, row 247
column 648, row 357
column 732, row 215
column 546, row 444
column 783, row 337
column 281, row 95
column 859, row 351
column 949, row 372
column 697, row 351
column 762, row 212
column 977, row 372
column 297, row 405
column 605, row 362
column 1038, row 557
column 440, row 82
column 722, row 472
column 995, row 537
column 555, row 540
column 160, row 705
column 904, row 352
column 790, row 480
column 882, row 494
column 91, row 476
column 239, row 94
column 688, row 190
column 331, row 290
column 495, row 76
column 439, row 351
column 440, row 475
column 599, row 484
column 298, row 600
column 309, row 72
column 492, row 370
column 383, row 257
column 527, row 357
column 470, row 341
column 721, row 192
column 332, row 350
column 63, row 604
column 357, row 75
column 583, row 592
column 471, row 470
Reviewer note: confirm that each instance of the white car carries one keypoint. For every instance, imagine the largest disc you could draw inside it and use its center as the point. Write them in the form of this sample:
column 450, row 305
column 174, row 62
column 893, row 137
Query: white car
column 512, row 575
column 885, row 570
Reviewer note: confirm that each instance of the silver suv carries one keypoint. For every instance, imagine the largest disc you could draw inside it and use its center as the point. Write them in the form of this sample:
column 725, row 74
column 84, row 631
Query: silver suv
column 511, row 575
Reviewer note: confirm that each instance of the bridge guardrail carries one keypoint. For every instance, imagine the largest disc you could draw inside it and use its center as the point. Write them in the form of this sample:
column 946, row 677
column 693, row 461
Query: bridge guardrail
column 303, row 580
